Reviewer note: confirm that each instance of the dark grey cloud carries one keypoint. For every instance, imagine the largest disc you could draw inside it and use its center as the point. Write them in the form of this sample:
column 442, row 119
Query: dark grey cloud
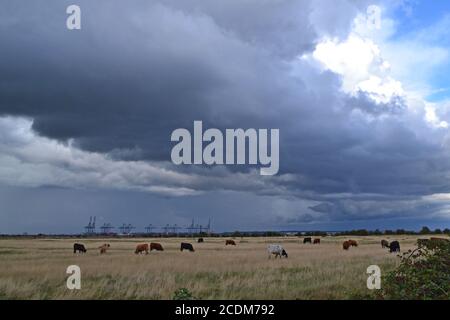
column 138, row 70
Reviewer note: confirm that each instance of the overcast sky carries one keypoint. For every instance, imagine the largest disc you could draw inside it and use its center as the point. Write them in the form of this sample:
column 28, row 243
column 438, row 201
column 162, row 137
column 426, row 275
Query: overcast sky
column 86, row 115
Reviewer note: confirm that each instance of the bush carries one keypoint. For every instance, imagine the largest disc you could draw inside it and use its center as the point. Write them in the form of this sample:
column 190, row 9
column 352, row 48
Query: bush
column 182, row 294
column 423, row 274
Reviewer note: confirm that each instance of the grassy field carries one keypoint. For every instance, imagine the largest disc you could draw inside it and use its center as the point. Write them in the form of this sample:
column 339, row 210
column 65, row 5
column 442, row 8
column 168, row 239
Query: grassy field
column 36, row 269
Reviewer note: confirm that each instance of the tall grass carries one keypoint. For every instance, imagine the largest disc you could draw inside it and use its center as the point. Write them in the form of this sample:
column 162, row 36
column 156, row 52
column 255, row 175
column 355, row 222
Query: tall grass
column 35, row 269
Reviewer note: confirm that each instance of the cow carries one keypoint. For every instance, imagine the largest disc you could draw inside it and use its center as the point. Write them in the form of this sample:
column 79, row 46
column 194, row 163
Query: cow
column 104, row 247
column 79, row 247
column 200, row 240
column 230, row 242
column 277, row 250
column 353, row 243
column 156, row 246
column 346, row 245
column 316, row 241
column 394, row 246
column 186, row 246
column 141, row 248
column 384, row 244
column 307, row 240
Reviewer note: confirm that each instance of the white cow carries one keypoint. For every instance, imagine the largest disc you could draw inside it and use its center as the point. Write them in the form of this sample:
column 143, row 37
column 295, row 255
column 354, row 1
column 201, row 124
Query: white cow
column 277, row 250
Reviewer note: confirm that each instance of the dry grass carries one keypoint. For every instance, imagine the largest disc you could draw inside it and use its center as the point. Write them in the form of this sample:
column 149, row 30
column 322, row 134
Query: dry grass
column 35, row 269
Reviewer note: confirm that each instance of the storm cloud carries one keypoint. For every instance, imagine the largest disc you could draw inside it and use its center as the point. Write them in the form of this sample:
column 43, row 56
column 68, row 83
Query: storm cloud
column 93, row 109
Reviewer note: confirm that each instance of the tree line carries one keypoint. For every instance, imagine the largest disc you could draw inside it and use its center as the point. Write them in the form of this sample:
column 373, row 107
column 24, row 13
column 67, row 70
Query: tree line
column 359, row 232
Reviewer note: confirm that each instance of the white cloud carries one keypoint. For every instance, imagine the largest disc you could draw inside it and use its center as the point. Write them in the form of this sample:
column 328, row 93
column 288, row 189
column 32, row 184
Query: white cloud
column 359, row 61
column 351, row 58
column 27, row 159
column 381, row 90
column 432, row 118
column 369, row 61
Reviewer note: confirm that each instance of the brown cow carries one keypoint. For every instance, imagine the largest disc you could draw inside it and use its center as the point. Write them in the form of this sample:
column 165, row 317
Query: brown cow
column 346, row 245
column 140, row 248
column 104, row 247
column 384, row 244
column 316, row 241
column 353, row 243
column 230, row 242
column 156, row 246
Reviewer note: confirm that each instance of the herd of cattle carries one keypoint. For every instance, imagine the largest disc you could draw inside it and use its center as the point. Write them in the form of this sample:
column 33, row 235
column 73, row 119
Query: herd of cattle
column 273, row 249
column 394, row 246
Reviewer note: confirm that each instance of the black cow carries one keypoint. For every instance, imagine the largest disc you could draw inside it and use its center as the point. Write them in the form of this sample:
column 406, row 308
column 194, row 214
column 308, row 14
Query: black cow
column 79, row 247
column 307, row 240
column 200, row 240
column 394, row 246
column 187, row 246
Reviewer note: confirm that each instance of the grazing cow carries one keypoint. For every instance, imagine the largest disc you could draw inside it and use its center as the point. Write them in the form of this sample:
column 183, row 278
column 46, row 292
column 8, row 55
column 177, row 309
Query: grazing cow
column 104, row 247
column 156, row 246
column 200, row 240
column 346, row 245
column 140, row 248
column 353, row 243
column 384, row 244
column 316, row 241
column 79, row 247
column 186, row 246
column 307, row 240
column 230, row 242
column 277, row 250
column 394, row 246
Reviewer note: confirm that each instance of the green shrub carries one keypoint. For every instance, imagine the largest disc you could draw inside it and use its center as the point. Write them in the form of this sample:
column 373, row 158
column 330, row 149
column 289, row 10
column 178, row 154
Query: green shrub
column 423, row 274
column 182, row 294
